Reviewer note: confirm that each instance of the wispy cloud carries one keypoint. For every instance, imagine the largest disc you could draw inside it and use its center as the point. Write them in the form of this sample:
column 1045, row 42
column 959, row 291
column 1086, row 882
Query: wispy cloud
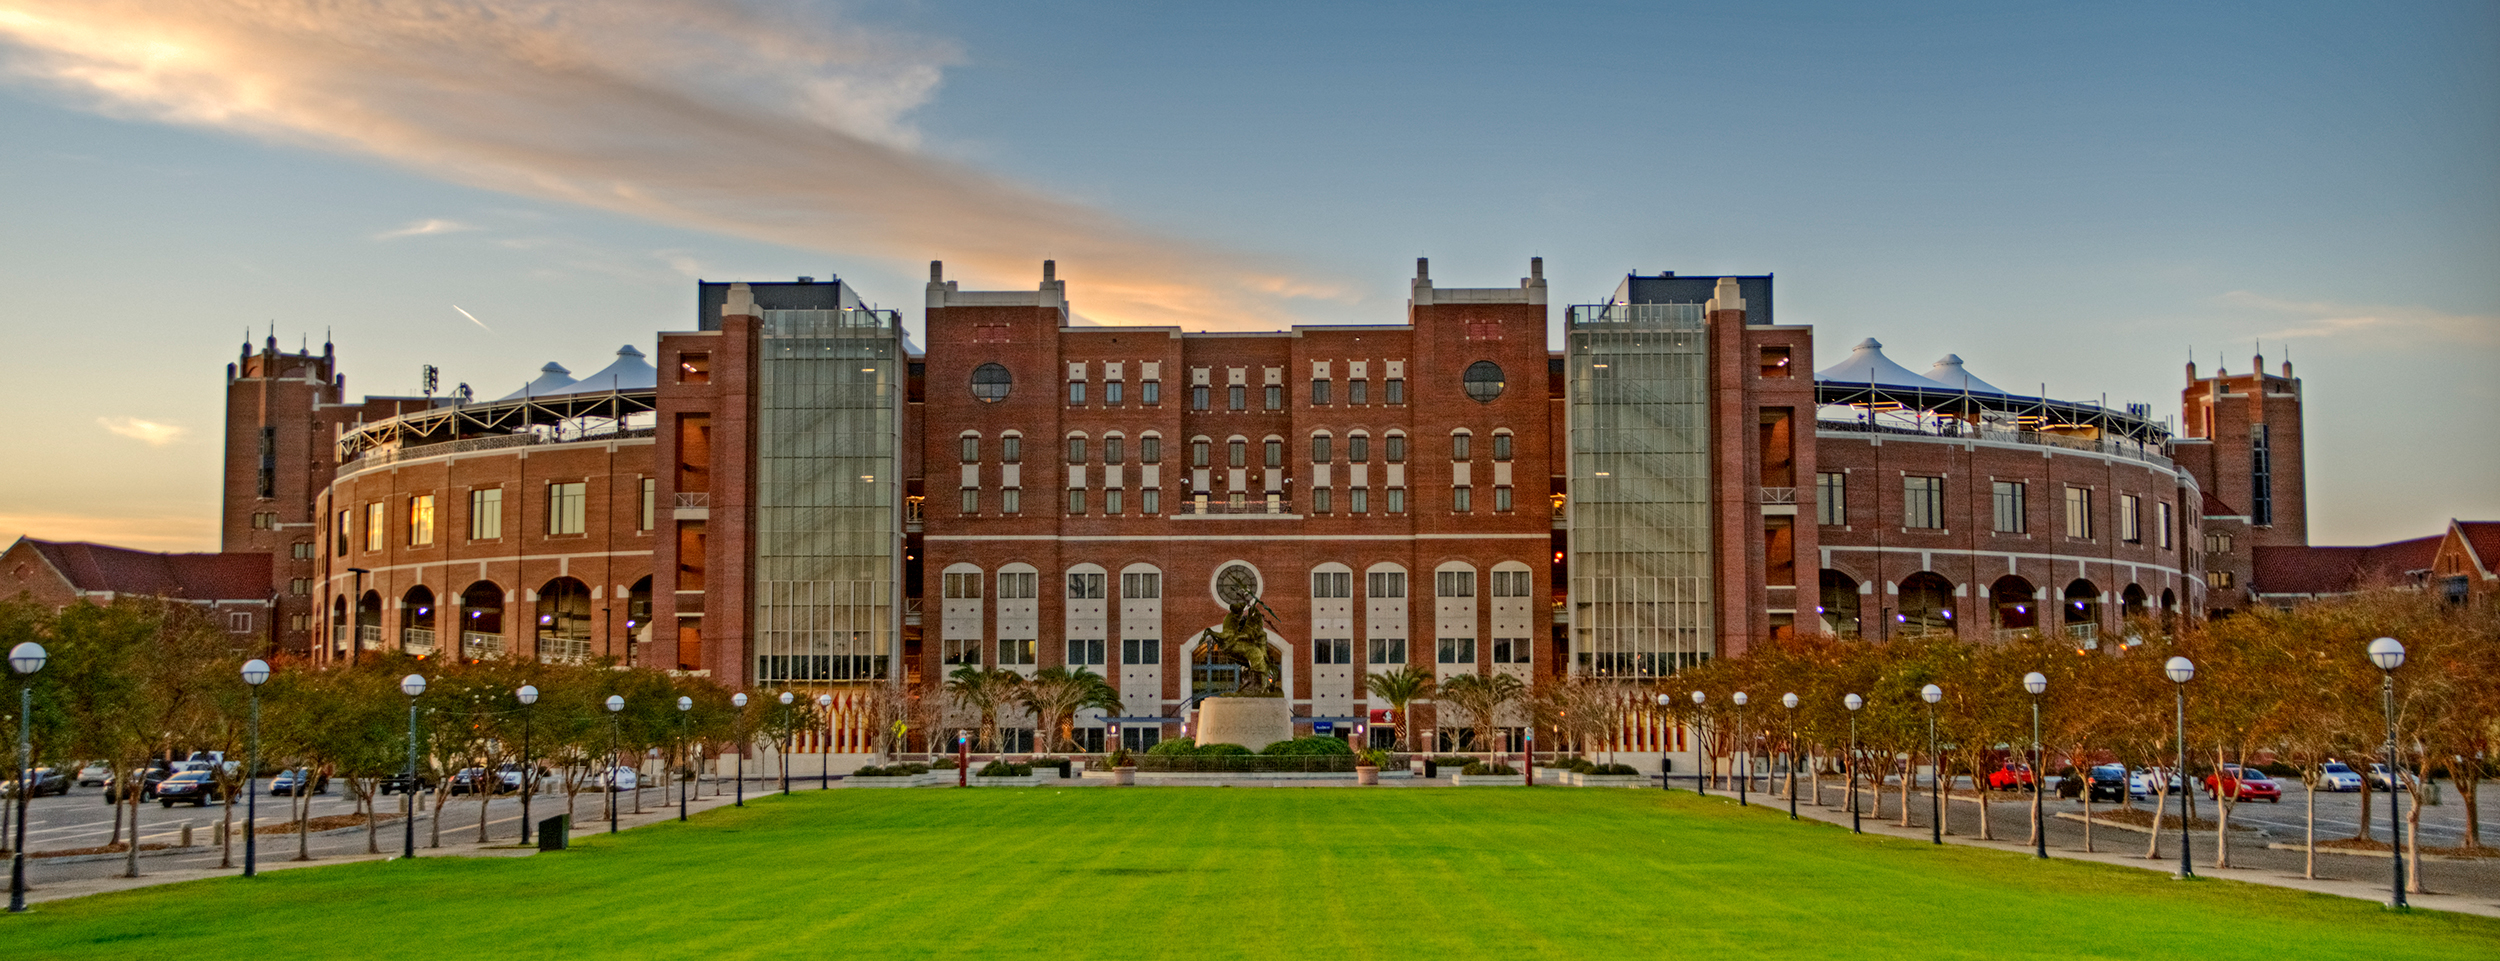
column 185, row 531
column 773, row 122
column 146, row 432
column 481, row 325
column 2393, row 325
column 420, row 228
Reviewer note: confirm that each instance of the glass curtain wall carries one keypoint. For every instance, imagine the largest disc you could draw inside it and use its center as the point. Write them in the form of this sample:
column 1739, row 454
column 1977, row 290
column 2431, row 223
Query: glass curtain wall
column 1639, row 495
column 828, row 510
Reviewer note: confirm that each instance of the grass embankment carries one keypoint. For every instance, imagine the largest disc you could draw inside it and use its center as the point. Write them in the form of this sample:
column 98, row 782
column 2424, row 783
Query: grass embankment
column 1235, row 873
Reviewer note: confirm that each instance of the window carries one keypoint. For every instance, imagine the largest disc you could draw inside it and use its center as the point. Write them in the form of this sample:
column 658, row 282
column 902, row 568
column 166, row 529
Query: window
column 1112, row 452
column 486, row 514
column 1332, row 650
column 2161, row 524
column 2079, row 513
column 1320, row 501
column 1236, row 397
column 1319, row 392
column 1015, row 652
column 421, row 520
column 1459, row 445
column 298, row 623
column 1141, row 650
column 1358, row 391
column 1237, row 452
column 1510, row 650
column 1359, row 501
column 1483, row 381
column 1275, row 452
column 1150, row 449
column 1076, row 450
column 1011, row 501
column 2011, row 515
column 2217, row 543
column 1112, row 501
column 1332, row 584
column 1454, row 583
column 1017, row 585
column 565, row 506
column 339, row 539
column 1501, row 446
column 971, row 500
column 1396, row 448
column 1085, row 587
column 964, row 586
column 694, row 368
column 302, row 550
column 2220, row 580
column 1384, row 584
column 1198, row 397
column 991, row 383
column 1150, row 392
column 260, row 521
column 1457, row 650
column 1397, row 500
column 1460, row 500
column 1011, row 449
column 963, row 651
column 1275, row 397
column 1358, row 449
column 1141, row 586
column 1320, row 452
column 1111, row 394
column 1922, row 502
column 1084, row 651
column 1198, row 452
column 650, row 503
column 1388, row 650
column 1150, row 501
column 1076, row 500
column 375, row 520
column 239, row 623
column 1775, row 362
column 299, row 586
column 1831, row 497
column 1513, row 583
column 1076, row 393
column 971, row 453
column 1397, row 390
column 2130, row 519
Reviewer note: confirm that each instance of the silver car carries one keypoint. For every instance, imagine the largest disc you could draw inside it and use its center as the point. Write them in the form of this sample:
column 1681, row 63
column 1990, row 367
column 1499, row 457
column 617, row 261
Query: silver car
column 2338, row 777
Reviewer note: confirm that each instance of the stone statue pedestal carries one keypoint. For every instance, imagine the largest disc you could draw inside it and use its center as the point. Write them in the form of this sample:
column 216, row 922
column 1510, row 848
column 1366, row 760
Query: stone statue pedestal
column 1252, row 722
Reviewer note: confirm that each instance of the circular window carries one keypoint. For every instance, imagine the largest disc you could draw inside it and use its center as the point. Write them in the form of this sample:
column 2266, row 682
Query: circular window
column 1484, row 381
column 1236, row 584
column 990, row 383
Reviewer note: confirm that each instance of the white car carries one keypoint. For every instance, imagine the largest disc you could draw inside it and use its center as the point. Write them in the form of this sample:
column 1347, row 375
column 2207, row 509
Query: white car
column 95, row 775
column 2338, row 777
column 2146, row 782
column 612, row 779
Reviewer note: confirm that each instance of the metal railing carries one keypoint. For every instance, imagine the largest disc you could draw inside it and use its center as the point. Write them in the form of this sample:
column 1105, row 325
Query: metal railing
column 1213, row 507
column 1960, row 430
column 1779, row 495
column 369, row 636
column 2083, row 632
column 479, row 645
column 416, row 640
column 564, row 648
column 1245, row 764
column 2014, row 633
column 698, row 499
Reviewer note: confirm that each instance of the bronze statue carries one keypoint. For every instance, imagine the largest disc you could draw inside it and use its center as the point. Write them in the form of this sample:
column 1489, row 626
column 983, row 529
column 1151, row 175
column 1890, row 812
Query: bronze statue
column 1243, row 641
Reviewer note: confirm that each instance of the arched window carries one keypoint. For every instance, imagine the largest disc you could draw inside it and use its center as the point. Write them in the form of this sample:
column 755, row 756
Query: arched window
column 1275, row 450
column 416, row 621
column 563, row 620
column 971, row 442
column 1394, row 447
column 2017, row 603
column 1926, row 605
column 1839, row 607
column 1323, row 447
column 1237, row 452
column 2132, row 602
column 1501, row 445
column 481, row 621
column 1461, row 443
column 2082, row 607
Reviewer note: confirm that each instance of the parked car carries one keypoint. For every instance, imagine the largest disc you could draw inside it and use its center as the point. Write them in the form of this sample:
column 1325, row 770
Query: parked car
column 397, row 783
column 2243, row 783
column 189, row 787
column 2147, row 782
column 95, row 775
column 612, row 779
column 2107, row 782
column 2338, row 777
column 284, row 784
column 144, row 781
column 2378, row 778
column 472, row 780
column 2011, row 777
column 39, row 782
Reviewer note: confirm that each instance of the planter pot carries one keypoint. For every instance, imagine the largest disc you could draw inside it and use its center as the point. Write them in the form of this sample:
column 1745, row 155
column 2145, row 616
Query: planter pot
column 1124, row 777
column 1367, row 775
column 1252, row 722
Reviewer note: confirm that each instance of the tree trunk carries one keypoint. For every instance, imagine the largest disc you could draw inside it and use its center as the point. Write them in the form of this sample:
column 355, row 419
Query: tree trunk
column 225, row 836
column 2468, row 780
column 2161, row 805
column 2368, row 797
column 2222, row 814
column 485, row 798
column 2413, row 837
column 2087, row 812
column 442, row 799
column 130, row 863
column 364, row 798
column 2309, row 830
column 1909, row 781
column 1979, row 785
column 299, row 804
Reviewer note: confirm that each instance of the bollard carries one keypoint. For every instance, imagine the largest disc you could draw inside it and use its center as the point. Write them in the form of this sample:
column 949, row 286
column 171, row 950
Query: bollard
column 186, row 834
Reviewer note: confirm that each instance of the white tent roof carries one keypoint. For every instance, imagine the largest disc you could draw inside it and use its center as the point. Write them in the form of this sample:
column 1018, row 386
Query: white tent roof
column 1868, row 365
column 1948, row 371
column 552, row 379
column 628, row 372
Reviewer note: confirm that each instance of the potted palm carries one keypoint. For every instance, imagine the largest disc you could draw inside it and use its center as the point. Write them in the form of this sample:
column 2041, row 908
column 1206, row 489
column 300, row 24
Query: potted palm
column 1367, row 766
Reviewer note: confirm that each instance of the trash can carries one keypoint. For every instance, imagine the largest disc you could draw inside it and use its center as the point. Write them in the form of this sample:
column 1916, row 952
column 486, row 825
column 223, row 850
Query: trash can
column 555, row 833
column 1431, row 770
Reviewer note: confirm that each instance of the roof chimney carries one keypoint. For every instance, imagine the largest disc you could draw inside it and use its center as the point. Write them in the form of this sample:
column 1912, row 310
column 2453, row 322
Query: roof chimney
column 1536, row 268
column 1050, row 271
column 1727, row 296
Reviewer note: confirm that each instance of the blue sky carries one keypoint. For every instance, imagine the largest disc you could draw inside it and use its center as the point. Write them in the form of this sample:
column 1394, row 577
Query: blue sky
column 2076, row 196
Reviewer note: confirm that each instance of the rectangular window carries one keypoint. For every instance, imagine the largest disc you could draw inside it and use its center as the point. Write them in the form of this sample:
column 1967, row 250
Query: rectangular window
column 340, row 538
column 1018, row 585
column 2008, row 505
column 1332, row 584
column 1016, row 652
column 1501, row 500
column 1011, row 501
column 1011, row 449
column 1076, row 450
column 2218, row 579
column 1319, row 393
column 1397, row 500
column 1394, row 448
column 299, row 586
column 1332, row 650
column 566, row 505
column 2130, row 519
column 1922, row 502
column 1084, row 651
column 650, row 502
column 1076, row 500
column 1460, row 501
column 2079, row 513
column 1237, row 453
column 1397, row 390
column 239, row 623
column 1111, row 501
column 1454, row 584
column 1275, row 453
column 1358, row 501
column 965, row 586
column 1275, row 397
column 963, row 652
column 1150, row 501
column 1141, row 586
column 1141, row 650
column 971, row 501
column 421, row 520
column 1358, row 391
column 1150, row 392
column 1236, row 397
column 1320, row 500
column 1380, row 585
column 486, row 514
column 1511, row 650
column 1111, row 394
column 1457, row 650
column 1388, row 650
column 303, row 550
column 2260, row 477
column 1114, row 449
column 1358, row 449
column 1198, row 452
column 1085, row 587
column 1513, row 583
column 1501, row 447
column 1831, row 497
column 1150, row 449
column 1076, row 393
column 1774, row 362
column 971, row 453
column 2161, row 524
column 694, row 368
column 1459, row 446
column 1320, row 449
column 376, row 520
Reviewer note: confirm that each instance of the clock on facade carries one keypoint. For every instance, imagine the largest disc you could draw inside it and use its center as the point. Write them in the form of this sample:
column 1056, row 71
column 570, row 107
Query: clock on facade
column 1236, row 584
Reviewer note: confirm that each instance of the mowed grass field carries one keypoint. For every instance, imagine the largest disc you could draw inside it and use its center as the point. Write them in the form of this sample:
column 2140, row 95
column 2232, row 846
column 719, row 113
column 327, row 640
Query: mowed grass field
column 1215, row 873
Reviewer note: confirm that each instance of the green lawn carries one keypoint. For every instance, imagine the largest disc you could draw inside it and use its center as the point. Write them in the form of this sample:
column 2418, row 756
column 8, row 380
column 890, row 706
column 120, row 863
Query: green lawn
column 1443, row 874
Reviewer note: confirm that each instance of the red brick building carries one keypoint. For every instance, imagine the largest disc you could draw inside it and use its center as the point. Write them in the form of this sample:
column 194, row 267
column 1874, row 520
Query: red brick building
column 231, row 589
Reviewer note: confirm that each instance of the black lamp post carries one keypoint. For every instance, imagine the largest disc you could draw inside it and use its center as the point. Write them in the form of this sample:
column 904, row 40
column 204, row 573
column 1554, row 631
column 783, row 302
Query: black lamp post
column 1701, row 768
column 26, row 659
column 739, row 701
column 786, row 725
column 2037, row 683
column 1934, row 695
column 527, row 695
column 2389, row 654
column 1853, row 703
column 1744, row 769
column 1789, row 701
column 412, row 685
column 616, row 704
column 1664, row 701
column 2180, row 670
column 255, row 673
column 684, row 705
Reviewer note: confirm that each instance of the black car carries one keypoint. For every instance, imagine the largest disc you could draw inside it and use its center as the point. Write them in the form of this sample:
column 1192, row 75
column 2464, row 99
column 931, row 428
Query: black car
column 2108, row 782
column 189, row 787
column 284, row 784
column 38, row 782
column 146, row 781
column 396, row 783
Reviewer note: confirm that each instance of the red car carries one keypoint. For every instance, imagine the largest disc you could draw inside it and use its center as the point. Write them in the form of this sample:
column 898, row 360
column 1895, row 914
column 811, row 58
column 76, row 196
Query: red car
column 2244, row 784
column 2012, row 777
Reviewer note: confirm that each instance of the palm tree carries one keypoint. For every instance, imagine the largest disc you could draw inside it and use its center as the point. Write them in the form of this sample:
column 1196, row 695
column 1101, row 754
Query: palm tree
column 1054, row 695
column 984, row 690
column 1481, row 697
column 1400, row 688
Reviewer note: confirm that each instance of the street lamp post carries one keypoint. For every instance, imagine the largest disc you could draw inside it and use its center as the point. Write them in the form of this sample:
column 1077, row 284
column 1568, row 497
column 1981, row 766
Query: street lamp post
column 255, row 673
column 527, row 695
column 2180, row 670
column 26, row 659
column 1701, row 768
column 684, row 705
column 1934, row 695
column 412, row 685
column 824, row 750
column 616, row 703
column 739, row 701
column 2388, row 654
column 1744, row 769
column 1664, row 702
column 1853, row 703
column 786, row 699
column 1789, row 701
column 2037, row 683
column 963, row 757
